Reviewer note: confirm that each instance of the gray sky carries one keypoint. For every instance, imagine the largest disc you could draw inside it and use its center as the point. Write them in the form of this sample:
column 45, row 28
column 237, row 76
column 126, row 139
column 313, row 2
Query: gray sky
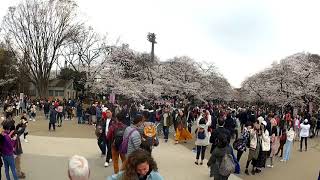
column 239, row 37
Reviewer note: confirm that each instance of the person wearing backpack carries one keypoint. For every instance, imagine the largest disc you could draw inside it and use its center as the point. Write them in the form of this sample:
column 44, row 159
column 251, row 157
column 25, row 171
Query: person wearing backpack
column 221, row 161
column 202, row 139
column 132, row 137
column 115, row 136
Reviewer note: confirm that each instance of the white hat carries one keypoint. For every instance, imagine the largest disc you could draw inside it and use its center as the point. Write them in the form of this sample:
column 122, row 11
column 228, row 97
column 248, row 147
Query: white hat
column 305, row 121
column 260, row 119
column 264, row 123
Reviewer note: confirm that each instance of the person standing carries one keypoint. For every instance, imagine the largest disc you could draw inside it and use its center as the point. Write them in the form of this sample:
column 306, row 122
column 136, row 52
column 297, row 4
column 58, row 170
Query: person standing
column 304, row 134
column 80, row 113
column 53, row 114
column 202, row 139
column 288, row 145
column 60, row 114
column 20, row 129
column 7, row 151
column 46, row 109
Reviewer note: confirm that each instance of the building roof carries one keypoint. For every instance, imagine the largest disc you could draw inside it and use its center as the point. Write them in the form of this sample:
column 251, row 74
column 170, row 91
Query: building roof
column 59, row 83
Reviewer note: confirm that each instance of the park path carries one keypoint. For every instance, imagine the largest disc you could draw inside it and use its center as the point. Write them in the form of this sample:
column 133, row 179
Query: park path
column 46, row 158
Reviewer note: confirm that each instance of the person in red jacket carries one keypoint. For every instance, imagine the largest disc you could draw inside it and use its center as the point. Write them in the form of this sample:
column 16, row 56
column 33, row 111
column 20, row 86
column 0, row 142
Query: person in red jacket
column 117, row 129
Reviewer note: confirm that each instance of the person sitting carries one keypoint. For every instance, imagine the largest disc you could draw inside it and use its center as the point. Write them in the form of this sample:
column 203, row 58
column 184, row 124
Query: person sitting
column 139, row 165
column 78, row 168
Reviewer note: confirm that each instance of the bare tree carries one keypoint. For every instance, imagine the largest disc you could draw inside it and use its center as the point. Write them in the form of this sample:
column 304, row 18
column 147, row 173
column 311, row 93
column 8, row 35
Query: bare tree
column 38, row 29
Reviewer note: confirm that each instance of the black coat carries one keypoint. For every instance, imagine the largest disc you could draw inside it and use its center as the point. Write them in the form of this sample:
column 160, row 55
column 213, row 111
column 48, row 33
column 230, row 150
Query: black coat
column 53, row 116
column 214, row 136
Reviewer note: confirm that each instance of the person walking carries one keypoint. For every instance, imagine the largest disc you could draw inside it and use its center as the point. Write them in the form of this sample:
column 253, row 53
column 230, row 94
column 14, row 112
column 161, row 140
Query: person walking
column 115, row 136
column 181, row 132
column 217, row 156
column 166, row 122
column 304, row 134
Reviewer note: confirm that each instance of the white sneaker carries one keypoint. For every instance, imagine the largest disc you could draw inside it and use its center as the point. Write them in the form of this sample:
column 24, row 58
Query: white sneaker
column 270, row 166
column 110, row 160
column 282, row 160
column 106, row 164
column 26, row 140
column 34, row 120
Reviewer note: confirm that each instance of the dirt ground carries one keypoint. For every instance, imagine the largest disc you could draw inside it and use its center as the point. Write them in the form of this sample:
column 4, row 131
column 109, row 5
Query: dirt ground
column 302, row 165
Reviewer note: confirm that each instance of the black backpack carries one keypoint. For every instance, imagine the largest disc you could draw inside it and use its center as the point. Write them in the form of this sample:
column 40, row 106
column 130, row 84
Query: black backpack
column 118, row 137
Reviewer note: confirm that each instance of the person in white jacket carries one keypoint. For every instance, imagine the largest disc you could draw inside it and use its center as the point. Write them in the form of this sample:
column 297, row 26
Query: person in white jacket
column 202, row 138
column 288, row 145
column 265, row 143
column 304, row 134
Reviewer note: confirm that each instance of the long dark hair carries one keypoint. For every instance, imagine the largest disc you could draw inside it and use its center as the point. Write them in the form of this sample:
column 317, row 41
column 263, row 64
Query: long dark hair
column 134, row 159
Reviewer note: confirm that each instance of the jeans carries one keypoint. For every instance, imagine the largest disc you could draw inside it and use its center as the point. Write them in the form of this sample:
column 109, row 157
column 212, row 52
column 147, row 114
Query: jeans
column 166, row 132
column 201, row 150
column 80, row 120
column 8, row 161
column 287, row 150
column 305, row 142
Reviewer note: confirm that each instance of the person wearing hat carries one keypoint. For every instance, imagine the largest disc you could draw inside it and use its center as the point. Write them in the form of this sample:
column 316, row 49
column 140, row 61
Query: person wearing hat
column 202, row 139
column 304, row 134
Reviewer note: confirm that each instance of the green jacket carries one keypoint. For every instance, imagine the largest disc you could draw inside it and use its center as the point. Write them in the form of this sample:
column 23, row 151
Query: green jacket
column 169, row 119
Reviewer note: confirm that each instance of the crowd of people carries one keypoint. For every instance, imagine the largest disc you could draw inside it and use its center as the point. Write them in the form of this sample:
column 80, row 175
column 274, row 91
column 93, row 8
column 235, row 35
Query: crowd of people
column 130, row 132
column 262, row 132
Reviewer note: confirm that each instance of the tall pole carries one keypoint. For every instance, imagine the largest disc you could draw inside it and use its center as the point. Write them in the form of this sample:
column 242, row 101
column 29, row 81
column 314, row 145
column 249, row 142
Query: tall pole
column 152, row 39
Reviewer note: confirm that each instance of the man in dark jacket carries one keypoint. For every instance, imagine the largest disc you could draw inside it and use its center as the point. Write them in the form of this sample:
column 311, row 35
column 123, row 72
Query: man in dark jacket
column 46, row 109
column 53, row 118
column 214, row 136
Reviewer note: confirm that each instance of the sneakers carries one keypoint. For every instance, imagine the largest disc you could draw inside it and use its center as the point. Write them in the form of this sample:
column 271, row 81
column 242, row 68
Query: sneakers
column 282, row 160
column 110, row 160
column 270, row 166
column 106, row 164
column 26, row 140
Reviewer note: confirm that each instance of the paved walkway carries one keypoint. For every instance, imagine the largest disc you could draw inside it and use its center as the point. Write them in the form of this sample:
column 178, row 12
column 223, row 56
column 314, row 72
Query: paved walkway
column 47, row 157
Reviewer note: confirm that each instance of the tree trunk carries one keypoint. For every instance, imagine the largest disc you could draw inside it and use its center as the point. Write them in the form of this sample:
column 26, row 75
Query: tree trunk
column 42, row 88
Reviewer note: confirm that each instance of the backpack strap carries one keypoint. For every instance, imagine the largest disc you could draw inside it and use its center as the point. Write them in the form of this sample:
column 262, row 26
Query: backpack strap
column 134, row 129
